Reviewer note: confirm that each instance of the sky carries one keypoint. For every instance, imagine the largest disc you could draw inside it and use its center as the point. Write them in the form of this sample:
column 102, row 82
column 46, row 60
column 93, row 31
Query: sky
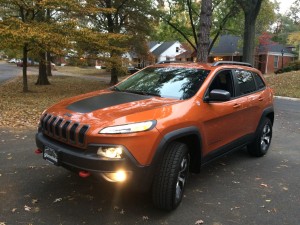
column 285, row 5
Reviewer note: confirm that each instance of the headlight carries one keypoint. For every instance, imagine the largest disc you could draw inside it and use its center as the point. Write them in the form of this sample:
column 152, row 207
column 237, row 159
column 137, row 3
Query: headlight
column 110, row 152
column 129, row 128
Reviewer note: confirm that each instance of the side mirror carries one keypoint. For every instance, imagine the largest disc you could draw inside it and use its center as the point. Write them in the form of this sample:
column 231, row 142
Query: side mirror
column 218, row 95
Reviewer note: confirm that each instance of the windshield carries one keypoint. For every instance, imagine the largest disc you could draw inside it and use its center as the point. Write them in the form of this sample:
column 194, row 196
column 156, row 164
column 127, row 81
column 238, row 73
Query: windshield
column 167, row 82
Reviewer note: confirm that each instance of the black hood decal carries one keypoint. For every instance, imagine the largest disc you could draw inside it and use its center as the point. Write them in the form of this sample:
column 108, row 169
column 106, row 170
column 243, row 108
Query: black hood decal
column 104, row 100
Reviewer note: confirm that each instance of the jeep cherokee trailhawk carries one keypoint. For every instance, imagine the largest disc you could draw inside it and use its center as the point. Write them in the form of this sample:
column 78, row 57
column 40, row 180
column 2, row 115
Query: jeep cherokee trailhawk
column 154, row 127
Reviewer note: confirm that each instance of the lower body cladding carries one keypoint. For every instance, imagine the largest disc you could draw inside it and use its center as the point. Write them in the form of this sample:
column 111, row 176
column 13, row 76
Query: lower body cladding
column 119, row 167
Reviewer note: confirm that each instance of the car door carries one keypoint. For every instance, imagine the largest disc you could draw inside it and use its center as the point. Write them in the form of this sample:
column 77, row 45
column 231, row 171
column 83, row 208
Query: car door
column 223, row 121
column 246, row 89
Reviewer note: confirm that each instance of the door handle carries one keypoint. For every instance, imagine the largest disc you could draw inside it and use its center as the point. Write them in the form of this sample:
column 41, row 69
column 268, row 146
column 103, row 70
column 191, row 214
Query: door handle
column 236, row 105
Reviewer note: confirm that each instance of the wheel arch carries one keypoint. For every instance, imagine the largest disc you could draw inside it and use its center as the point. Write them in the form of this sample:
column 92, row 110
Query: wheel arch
column 189, row 136
column 267, row 113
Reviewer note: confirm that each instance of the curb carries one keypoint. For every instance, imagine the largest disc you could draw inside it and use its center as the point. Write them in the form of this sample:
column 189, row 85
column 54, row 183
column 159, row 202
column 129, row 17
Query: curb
column 287, row 98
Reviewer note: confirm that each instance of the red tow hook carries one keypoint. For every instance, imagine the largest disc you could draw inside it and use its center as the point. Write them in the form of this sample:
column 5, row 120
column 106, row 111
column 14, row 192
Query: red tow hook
column 38, row 151
column 84, row 174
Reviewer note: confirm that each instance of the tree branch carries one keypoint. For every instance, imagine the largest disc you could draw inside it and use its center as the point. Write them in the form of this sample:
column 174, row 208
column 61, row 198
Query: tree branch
column 179, row 31
column 189, row 4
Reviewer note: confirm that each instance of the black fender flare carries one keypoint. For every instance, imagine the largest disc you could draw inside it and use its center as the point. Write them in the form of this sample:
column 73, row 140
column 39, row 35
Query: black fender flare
column 181, row 134
column 268, row 111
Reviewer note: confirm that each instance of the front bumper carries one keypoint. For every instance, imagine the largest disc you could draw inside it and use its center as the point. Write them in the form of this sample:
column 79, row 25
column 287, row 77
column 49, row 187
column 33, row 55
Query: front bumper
column 76, row 159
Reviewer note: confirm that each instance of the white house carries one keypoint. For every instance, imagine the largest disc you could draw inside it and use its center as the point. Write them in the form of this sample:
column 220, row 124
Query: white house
column 167, row 51
column 161, row 51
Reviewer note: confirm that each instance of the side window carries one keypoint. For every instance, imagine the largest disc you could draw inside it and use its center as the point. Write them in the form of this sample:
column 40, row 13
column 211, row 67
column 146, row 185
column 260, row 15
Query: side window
column 223, row 80
column 259, row 82
column 246, row 82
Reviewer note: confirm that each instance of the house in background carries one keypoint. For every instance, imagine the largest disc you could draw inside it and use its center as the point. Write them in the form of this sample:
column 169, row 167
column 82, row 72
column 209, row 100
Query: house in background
column 268, row 57
column 228, row 48
column 167, row 51
column 158, row 52
column 273, row 56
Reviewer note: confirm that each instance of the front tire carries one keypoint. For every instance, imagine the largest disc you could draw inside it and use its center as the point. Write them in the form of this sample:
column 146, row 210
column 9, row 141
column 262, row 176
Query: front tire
column 262, row 141
column 171, row 177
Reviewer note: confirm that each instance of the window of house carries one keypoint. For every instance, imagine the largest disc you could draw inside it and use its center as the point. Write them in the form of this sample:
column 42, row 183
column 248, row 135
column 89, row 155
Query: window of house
column 276, row 59
column 177, row 49
column 246, row 82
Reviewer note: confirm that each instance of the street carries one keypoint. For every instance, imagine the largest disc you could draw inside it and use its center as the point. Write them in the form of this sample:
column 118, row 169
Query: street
column 236, row 189
column 8, row 71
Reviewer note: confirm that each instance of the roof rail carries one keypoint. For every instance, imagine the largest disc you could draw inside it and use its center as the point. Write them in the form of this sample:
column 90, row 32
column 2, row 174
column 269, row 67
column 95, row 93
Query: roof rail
column 218, row 63
column 168, row 61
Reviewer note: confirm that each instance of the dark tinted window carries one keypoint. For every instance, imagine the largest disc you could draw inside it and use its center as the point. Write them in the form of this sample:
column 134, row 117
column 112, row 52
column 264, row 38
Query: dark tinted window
column 223, row 81
column 259, row 82
column 168, row 82
column 246, row 82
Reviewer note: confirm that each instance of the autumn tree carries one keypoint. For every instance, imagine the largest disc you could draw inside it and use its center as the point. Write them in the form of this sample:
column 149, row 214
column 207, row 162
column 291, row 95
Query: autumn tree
column 22, row 26
column 181, row 21
column 125, row 20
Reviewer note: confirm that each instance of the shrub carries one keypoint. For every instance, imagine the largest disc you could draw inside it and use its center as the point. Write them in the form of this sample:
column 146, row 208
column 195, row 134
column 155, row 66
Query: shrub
column 292, row 66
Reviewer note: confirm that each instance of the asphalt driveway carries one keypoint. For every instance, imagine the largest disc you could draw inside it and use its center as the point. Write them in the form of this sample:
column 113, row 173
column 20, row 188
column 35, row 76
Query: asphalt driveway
column 237, row 189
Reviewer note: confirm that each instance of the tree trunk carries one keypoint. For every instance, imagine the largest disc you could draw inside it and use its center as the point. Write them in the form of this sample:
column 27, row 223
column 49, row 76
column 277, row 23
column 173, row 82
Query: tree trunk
column 25, row 82
column 114, row 75
column 251, row 10
column 249, row 39
column 48, row 57
column 204, row 31
column 42, row 79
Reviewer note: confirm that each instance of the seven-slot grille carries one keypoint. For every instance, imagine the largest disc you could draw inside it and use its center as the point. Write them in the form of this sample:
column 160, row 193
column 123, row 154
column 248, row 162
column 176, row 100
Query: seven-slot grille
column 64, row 130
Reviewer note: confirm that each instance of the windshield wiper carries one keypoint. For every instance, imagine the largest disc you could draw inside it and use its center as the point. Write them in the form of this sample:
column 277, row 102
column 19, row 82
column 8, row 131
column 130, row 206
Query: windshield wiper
column 141, row 92
column 115, row 88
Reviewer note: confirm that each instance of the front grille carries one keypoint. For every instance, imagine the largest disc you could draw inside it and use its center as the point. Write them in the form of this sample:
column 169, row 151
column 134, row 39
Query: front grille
column 64, row 130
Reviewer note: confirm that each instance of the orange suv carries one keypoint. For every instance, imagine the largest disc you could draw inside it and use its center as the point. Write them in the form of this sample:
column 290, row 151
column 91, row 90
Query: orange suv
column 154, row 127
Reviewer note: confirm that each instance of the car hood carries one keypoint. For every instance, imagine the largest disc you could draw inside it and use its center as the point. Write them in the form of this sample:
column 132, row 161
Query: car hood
column 106, row 107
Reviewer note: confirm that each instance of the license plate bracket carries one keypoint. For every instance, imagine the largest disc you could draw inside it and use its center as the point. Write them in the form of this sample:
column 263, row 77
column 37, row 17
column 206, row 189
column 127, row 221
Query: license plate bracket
column 51, row 155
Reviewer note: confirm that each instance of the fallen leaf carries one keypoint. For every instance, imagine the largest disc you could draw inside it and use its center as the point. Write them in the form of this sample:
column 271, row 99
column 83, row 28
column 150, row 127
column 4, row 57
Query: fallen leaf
column 145, row 218
column 285, row 188
column 199, row 222
column 27, row 208
column 122, row 212
column 57, row 200
column 34, row 201
column 14, row 210
column 264, row 185
column 236, row 207
column 2, row 223
column 268, row 200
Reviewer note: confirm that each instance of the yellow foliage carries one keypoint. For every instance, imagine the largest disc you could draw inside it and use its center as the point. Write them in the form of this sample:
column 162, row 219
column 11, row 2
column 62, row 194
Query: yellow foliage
column 294, row 38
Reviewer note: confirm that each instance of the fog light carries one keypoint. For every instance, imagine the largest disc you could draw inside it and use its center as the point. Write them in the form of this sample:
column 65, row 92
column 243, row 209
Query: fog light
column 118, row 176
column 110, row 152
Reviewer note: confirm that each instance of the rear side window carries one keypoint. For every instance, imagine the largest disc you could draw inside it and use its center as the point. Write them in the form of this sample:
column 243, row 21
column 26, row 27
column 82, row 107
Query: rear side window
column 246, row 82
column 259, row 81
